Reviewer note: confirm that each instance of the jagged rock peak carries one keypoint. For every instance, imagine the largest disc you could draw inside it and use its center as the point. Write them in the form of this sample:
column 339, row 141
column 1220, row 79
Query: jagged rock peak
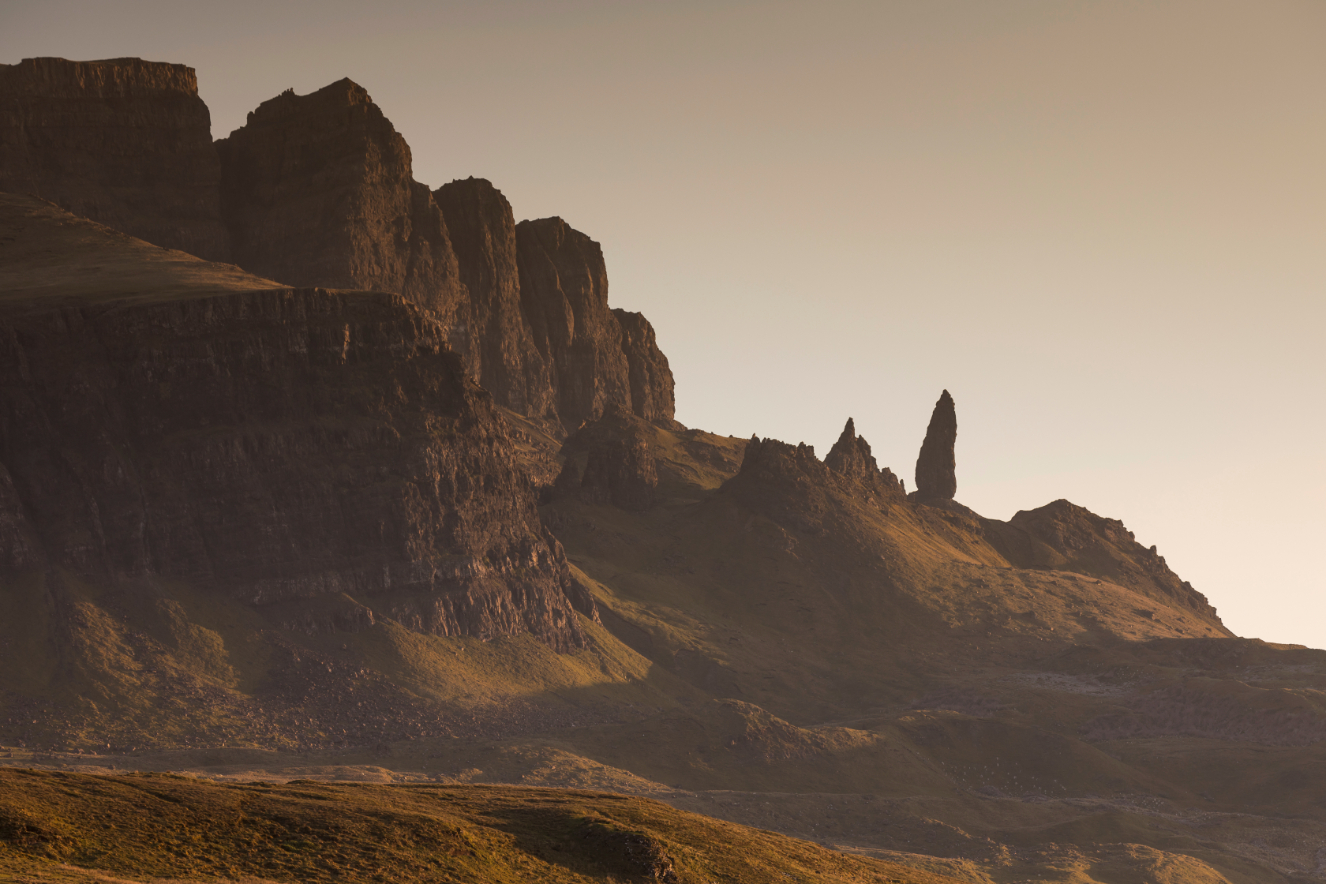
column 850, row 458
column 124, row 142
column 936, row 467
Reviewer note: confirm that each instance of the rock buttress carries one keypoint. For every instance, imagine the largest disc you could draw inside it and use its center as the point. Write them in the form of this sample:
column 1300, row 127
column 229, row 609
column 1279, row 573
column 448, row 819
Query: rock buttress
column 490, row 330
column 288, row 448
column 317, row 190
column 600, row 358
column 650, row 375
column 125, row 142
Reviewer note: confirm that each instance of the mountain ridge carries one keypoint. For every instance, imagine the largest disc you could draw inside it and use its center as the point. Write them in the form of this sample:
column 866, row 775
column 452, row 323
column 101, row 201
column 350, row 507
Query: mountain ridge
column 251, row 530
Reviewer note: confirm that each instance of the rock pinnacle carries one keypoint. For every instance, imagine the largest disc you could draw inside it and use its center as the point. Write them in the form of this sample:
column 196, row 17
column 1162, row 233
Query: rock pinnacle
column 936, row 468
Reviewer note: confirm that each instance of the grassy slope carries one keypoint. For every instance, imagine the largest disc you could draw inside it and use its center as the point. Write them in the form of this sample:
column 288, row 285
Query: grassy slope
column 145, row 827
column 48, row 255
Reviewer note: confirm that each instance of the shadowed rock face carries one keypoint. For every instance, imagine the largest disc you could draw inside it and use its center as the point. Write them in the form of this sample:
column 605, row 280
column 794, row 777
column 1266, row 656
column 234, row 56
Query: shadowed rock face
column 317, row 190
column 489, row 328
column 936, row 468
column 125, row 142
column 850, row 457
column 610, row 461
column 318, row 454
column 564, row 290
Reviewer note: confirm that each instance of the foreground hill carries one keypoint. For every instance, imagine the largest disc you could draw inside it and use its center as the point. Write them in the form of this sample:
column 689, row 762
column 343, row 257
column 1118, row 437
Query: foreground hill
column 63, row 828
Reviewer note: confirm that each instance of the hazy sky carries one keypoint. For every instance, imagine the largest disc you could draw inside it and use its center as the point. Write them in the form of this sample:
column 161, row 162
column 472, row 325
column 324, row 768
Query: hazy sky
column 1100, row 225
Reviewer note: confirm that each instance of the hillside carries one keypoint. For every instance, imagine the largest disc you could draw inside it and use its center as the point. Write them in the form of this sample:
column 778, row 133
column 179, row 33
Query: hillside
column 448, row 533
column 54, row 828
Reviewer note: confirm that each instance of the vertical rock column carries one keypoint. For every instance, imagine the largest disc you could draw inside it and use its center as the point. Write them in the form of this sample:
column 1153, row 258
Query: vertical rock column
column 490, row 331
column 936, row 467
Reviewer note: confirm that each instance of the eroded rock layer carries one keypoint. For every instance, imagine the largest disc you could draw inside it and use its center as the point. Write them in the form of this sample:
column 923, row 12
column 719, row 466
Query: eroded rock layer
column 125, row 142
column 318, row 190
column 319, row 454
column 489, row 328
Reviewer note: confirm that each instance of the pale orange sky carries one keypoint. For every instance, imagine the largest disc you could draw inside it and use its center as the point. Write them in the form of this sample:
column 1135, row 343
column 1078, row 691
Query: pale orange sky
column 1101, row 225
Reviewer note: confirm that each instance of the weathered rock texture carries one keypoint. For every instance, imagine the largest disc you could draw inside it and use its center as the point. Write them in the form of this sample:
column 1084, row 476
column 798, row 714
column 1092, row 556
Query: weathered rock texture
column 564, row 287
column 489, row 327
column 650, row 376
column 317, row 190
column 610, row 460
column 124, row 142
column 320, row 454
column 936, row 468
column 1063, row 536
column 850, row 457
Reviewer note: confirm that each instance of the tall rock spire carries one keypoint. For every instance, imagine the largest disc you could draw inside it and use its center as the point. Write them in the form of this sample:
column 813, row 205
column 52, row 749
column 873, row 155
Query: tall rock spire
column 936, row 468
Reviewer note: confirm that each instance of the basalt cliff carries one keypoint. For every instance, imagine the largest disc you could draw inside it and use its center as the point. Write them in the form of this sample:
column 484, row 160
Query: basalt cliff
column 318, row 191
column 384, row 489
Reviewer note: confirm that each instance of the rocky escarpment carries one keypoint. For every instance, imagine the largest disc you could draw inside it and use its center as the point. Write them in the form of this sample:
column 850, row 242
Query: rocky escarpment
column 489, row 327
column 125, row 142
column 318, row 190
column 318, row 454
column 564, row 289
column 1064, row 536
column 936, row 474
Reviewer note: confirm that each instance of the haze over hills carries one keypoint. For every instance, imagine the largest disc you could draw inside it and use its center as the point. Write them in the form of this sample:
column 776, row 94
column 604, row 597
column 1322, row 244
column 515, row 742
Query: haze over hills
column 400, row 497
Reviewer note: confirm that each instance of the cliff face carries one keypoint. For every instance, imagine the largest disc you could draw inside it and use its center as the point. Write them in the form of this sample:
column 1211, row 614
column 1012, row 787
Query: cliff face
column 490, row 329
column 125, row 142
column 317, row 190
column 650, row 377
column 599, row 358
column 311, row 452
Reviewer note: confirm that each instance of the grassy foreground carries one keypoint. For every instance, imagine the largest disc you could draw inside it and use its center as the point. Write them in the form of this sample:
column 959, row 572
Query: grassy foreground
column 63, row 827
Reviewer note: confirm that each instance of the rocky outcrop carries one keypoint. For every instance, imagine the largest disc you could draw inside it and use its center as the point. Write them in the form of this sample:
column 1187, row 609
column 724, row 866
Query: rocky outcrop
column 1063, row 536
column 610, row 460
column 650, row 377
column 936, row 467
column 288, row 448
column 564, row 289
column 489, row 329
column 850, row 458
column 318, row 191
column 125, row 142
